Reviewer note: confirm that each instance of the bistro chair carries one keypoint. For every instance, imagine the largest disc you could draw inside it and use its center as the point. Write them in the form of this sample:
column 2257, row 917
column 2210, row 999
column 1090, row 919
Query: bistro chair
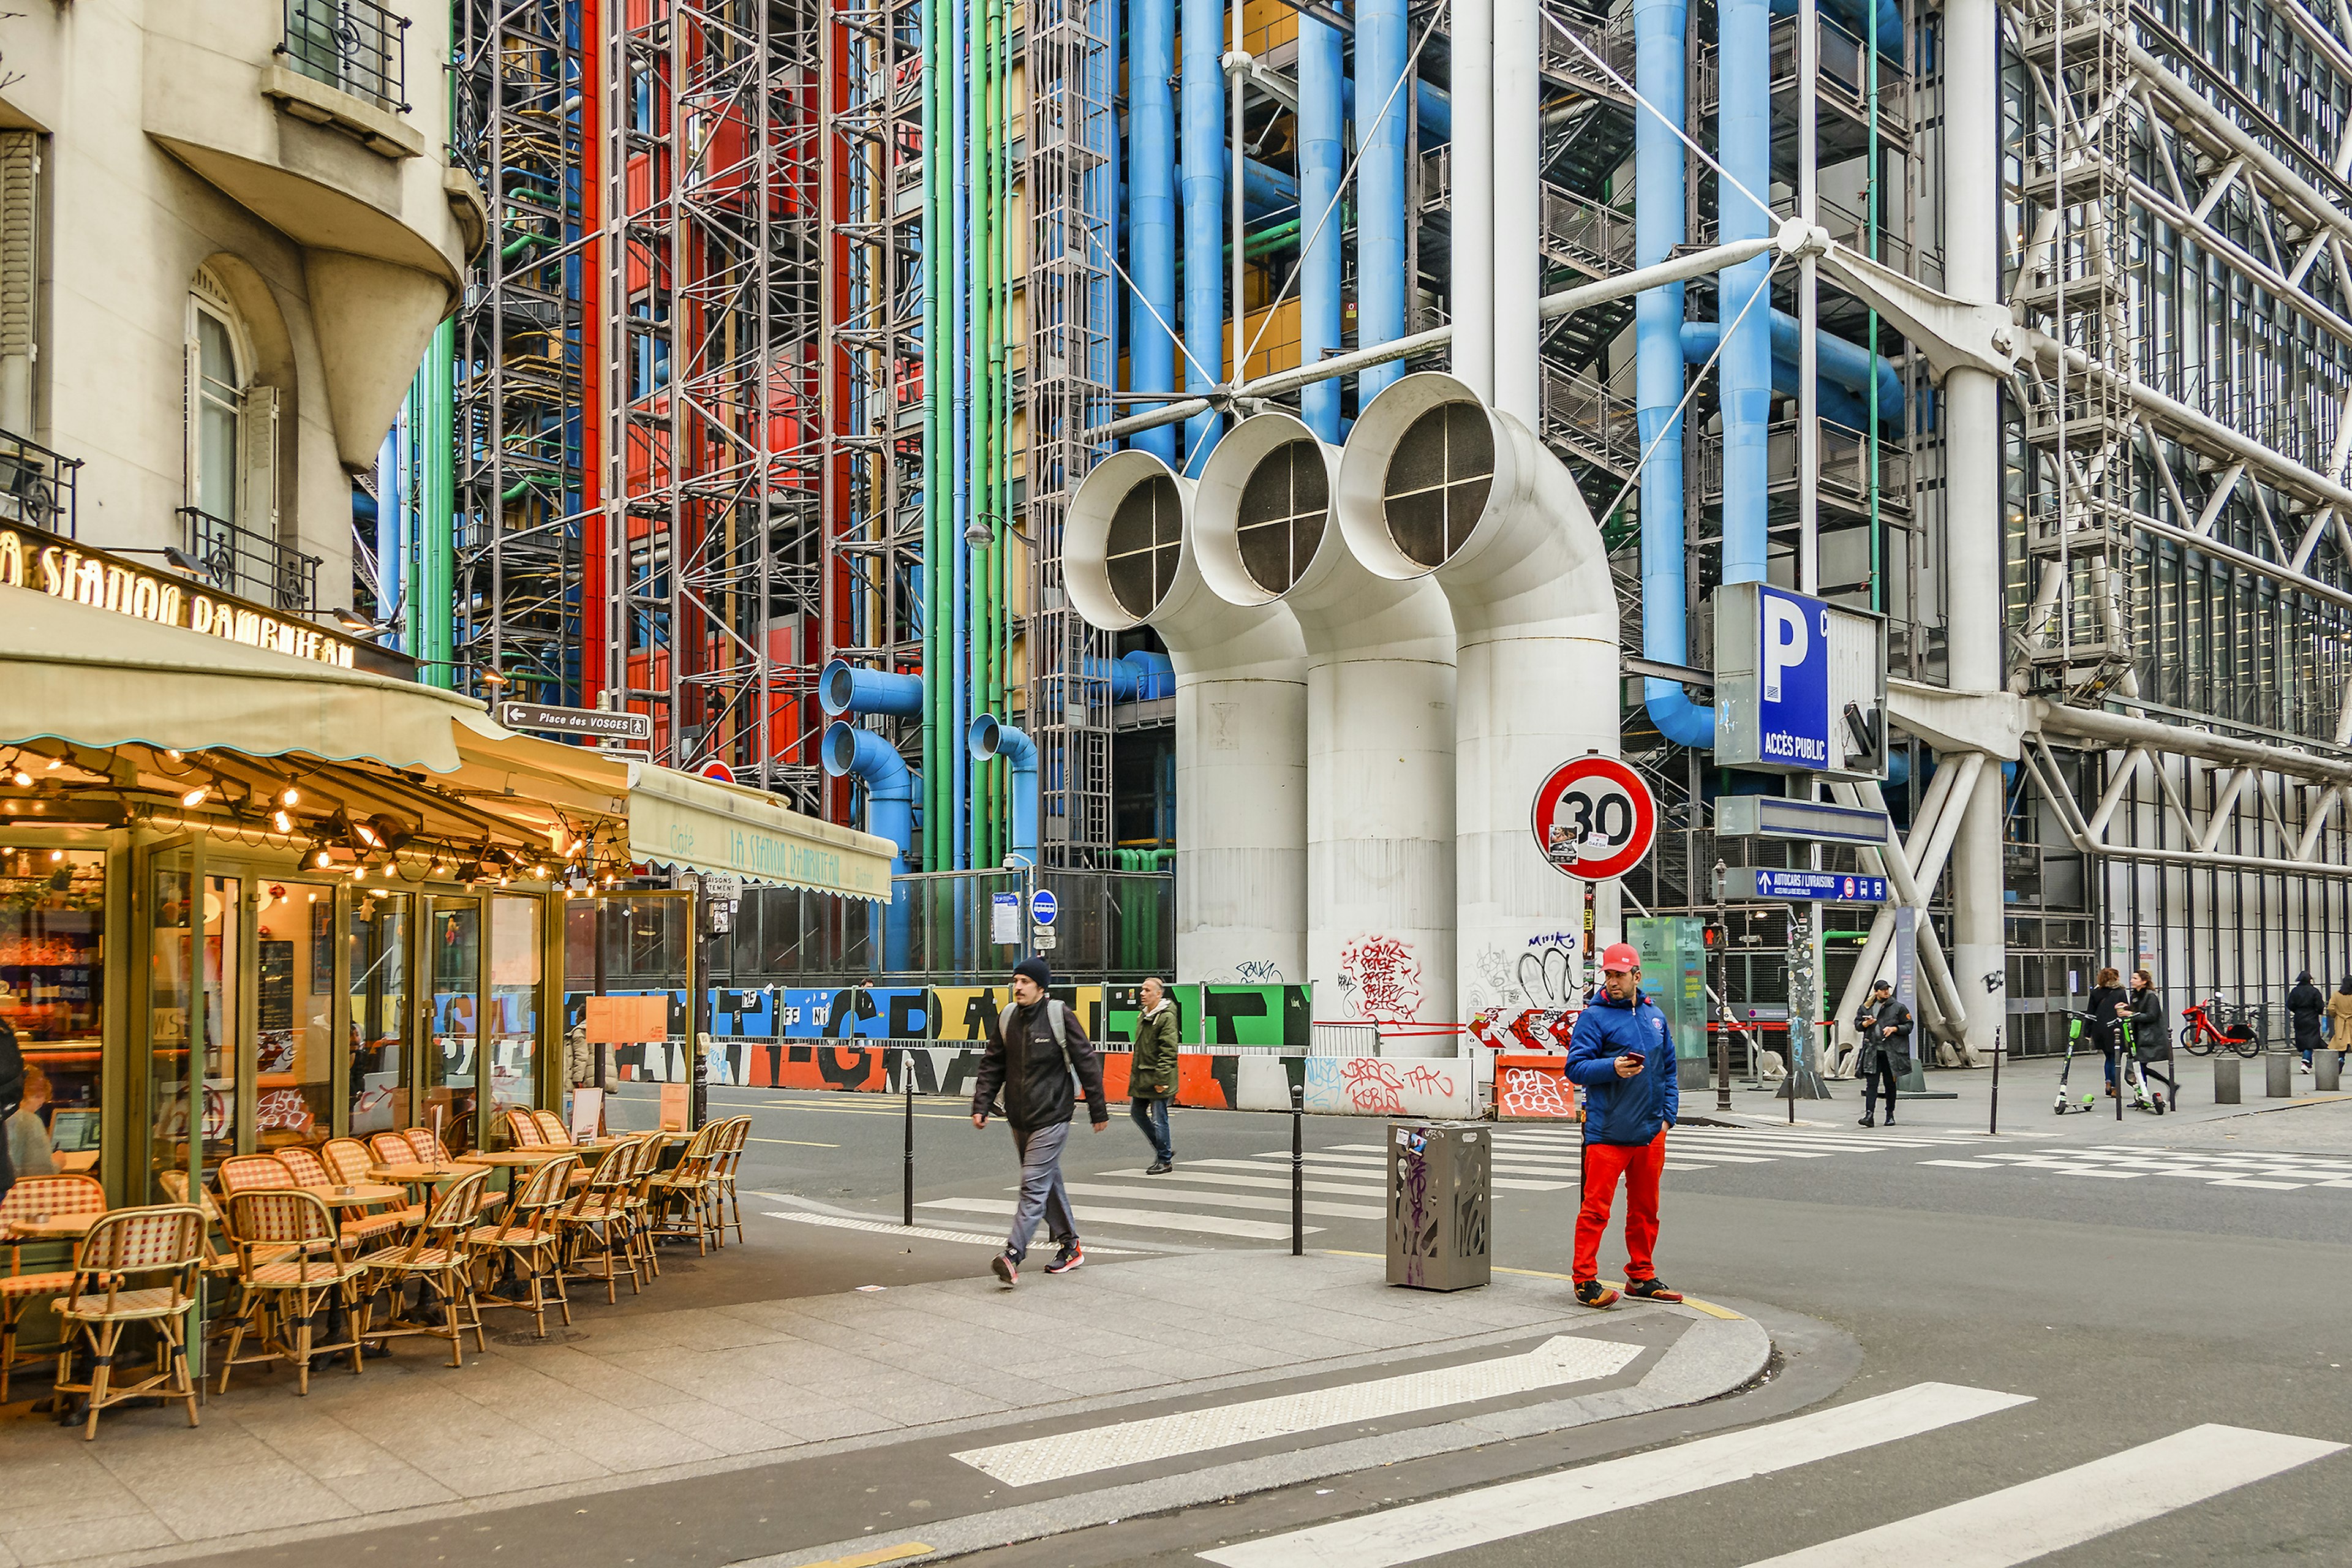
column 426, row 1148
column 52, row 1195
column 348, row 1160
column 522, row 1132
column 253, row 1174
column 604, row 1216
column 532, row 1241
column 165, row 1241
column 293, row 1292
column 737, row 1137
column 392, row 1149
column 310, row 1171
column 681, row 1196
column 552, row 1128
column 437, row 1256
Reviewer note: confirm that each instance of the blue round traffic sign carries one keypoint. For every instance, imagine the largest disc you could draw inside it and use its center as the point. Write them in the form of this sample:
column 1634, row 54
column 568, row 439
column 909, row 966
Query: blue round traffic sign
column 1041, row 907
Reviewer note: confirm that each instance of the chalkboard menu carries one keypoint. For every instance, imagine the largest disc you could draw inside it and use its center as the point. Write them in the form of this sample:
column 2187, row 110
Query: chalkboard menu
column 276, row 992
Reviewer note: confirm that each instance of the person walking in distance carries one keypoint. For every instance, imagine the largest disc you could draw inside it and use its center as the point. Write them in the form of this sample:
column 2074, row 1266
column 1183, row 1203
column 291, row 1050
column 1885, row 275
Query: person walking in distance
column 2151, row 1032
column 1151, row 1075
column 2339, row 1021
column 1886, row 1051
column 1620, row 1054
column 1036, row 1047
column 2108, row 1002
column 2305, row 1004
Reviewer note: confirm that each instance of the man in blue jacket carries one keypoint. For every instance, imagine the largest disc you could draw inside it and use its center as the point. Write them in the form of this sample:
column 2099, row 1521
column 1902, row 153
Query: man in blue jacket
column 1620, row 1054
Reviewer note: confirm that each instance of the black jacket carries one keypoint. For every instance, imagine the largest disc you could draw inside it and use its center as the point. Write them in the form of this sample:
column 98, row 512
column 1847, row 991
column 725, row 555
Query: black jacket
column 2305, row 1004
column 2151, row 1029
column 1887, row 1038
column 1024, row 1061
column 2102, row 1007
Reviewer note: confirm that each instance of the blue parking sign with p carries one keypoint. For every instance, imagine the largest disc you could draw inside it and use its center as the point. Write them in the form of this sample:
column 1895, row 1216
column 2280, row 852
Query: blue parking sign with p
column 1793, row 698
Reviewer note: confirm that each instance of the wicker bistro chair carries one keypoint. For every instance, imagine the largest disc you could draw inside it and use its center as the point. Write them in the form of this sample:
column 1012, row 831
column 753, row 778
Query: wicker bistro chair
column 253, row 1174
column 681, row 1196
column 165, row 1241
column 523, row 1132
column 280, row 1302
column 390, row 1149
column 531, row 1240
column 18, row 1291
column 310, row 1171
column 724, row 1199
column 552, row 1128
column 602, row 1219
column 437, row 1256
column 348, row 1160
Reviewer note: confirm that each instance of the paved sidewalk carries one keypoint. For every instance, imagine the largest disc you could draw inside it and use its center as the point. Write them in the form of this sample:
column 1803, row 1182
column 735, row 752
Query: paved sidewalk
column 646, row 1393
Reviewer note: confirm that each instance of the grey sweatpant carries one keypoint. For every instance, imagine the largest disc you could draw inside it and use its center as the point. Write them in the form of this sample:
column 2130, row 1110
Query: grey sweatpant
column 1041, row 1193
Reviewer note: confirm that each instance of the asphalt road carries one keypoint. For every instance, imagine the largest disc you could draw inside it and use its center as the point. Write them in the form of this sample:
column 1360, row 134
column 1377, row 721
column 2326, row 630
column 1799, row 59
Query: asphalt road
column 2128, row 1310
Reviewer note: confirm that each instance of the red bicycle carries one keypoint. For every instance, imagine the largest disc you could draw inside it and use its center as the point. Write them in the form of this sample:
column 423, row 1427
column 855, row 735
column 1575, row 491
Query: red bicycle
column 2203, row 1034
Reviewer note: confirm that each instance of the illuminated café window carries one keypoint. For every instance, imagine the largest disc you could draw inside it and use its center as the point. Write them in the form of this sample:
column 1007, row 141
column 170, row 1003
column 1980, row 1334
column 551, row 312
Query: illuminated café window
column 52, row 994
column 294, row 993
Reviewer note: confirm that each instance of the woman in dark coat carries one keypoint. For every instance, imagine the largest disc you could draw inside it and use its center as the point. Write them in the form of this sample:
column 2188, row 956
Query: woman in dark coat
column 2107, row 993
column 2151, row 1031
column 2306, row 1004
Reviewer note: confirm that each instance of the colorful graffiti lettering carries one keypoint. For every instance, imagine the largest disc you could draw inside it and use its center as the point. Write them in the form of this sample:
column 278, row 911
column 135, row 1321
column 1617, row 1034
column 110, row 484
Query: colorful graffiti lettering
column 1531, row 1092
column 1381, row 977
column 1371, row 1086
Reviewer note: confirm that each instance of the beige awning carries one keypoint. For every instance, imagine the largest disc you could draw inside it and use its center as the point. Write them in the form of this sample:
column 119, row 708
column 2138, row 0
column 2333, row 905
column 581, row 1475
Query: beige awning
column 700, row 825
column 79, row 673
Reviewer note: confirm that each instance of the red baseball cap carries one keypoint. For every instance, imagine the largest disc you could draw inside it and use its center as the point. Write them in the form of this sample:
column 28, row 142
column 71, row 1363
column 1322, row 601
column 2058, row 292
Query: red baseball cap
column 1619, row 955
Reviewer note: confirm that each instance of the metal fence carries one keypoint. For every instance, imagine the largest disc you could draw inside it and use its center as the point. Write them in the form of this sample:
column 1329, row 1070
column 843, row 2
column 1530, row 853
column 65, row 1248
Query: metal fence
column 250, row 565
column 36, row 485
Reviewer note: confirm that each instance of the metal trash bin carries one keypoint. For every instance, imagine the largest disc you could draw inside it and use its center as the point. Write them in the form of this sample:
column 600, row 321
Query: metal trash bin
column 1440, row 1199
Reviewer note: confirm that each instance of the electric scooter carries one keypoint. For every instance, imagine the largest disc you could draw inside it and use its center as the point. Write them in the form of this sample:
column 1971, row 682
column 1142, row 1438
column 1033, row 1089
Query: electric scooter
column 2132, row 1075
column 2076, row 1023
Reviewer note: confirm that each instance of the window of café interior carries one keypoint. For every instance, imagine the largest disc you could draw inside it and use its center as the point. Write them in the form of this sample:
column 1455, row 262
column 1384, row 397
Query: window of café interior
column 453, row 1040
column 517, row 963
column 383, row 1087
column 53, row 910
column 294, row 1018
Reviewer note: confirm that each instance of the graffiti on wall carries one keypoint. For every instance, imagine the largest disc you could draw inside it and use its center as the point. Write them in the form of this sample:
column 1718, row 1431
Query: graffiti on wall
column 1389, row 1086
column 1380, row 978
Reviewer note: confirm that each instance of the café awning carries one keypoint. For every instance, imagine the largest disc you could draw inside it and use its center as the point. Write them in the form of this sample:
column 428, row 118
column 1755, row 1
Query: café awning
column 96, row 679
column 84, row 674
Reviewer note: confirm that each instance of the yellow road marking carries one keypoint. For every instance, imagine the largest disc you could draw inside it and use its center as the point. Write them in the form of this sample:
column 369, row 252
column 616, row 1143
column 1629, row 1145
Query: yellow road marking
column 1709, row 1308
column 900, row 1552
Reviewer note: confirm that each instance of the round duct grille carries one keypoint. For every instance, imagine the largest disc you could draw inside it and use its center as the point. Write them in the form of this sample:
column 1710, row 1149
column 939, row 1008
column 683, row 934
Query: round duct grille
column 1284, row 508
column 1438, row 479
column 1147, row 540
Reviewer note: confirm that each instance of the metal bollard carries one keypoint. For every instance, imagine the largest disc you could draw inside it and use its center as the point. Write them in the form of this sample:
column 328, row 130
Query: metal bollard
column 2278, row 1075
column 1298, row 1169
column 2225, row 1080
column 1992, row 1122
column 2326, row 1072
column 907, row 1080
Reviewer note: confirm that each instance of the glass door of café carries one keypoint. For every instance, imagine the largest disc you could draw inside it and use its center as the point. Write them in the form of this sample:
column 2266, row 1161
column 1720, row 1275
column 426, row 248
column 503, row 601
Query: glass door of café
column 628, row 978
column 484, row 956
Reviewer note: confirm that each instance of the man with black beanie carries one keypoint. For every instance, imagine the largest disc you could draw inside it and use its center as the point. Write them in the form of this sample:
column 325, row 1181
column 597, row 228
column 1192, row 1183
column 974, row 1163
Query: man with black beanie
column 1035, row 1046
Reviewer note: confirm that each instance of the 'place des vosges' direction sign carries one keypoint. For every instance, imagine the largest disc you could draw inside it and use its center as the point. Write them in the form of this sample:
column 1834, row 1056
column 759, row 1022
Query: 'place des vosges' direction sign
column 596, row 723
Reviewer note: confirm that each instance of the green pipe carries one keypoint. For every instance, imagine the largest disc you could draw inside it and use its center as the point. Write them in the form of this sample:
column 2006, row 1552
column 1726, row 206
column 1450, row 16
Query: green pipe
column 435, row 520
column 516, row 491
column 935, row 727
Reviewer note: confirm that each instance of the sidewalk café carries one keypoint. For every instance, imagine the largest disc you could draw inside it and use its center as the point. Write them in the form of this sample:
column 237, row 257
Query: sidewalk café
column 253, row 895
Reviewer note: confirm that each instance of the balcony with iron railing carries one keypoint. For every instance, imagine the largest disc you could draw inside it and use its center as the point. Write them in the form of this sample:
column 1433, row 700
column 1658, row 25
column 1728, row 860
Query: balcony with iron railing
column 353, row 45
column 250, row 565
column 36, row 485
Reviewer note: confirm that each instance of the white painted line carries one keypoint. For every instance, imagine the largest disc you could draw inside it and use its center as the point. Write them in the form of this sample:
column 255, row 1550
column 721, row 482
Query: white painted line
column 2267, row 1187
column 1380, row 1162
column 1470, row 1518
column 1140, row 1219
column 884, row 1228
column 1562, row 1359
column 1158, row 1191
column 1965, row 1164
column 2033, row 1518
column 1373, row 1183
column 1192, row 1174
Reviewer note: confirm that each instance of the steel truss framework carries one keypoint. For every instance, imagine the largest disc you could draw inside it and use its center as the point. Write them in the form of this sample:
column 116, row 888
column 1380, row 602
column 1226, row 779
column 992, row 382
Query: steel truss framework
column 714, row 442
column 2178, row 539
column 519, row 461
column 1071, row 137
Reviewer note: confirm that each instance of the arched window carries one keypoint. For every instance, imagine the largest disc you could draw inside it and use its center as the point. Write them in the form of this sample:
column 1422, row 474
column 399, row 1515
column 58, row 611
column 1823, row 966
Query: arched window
column 232, row 447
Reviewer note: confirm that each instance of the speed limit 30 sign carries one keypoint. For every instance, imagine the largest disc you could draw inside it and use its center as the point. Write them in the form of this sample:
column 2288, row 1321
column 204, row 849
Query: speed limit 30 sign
column 1594, row 818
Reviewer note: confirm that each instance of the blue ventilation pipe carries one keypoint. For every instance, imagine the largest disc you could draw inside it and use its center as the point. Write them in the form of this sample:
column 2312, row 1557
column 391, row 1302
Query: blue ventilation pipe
column 1853, row 16
column 1322, row 85
column 1660, row 64
column 1152, row 211
column 891, row 788
column 1432, row 107
column 1840, row 362
column 987, row 738
column 843, row 687
column 1137, row 677
column 1839, row 405
column 1745, row 134
column 1205, row 219
column 1380, row 280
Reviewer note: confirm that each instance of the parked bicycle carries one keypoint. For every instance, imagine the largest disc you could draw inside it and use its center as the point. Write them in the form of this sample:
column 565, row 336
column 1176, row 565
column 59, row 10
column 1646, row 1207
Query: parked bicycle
column 2209, row 1026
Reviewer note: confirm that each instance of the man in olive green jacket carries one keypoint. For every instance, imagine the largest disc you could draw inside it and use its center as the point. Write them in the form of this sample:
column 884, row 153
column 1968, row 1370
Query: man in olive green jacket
column 1151, row 1074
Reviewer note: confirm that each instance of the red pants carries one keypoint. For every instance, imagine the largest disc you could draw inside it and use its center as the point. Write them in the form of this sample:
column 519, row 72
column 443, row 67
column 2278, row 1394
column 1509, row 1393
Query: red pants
column 1639, row 1165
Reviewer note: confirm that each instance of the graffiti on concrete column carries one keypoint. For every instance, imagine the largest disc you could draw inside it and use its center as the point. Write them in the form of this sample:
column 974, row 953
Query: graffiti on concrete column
column 1379, row 977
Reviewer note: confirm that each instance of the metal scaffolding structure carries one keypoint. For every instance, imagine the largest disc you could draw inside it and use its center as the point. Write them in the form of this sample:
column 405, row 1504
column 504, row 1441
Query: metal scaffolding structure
column 1072, row 138
column 519, row 462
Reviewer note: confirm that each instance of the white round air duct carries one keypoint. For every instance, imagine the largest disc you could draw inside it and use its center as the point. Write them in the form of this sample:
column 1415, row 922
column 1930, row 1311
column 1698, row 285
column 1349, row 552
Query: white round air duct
column 1241, row 720
column 1379, row 726
column 1435, row 486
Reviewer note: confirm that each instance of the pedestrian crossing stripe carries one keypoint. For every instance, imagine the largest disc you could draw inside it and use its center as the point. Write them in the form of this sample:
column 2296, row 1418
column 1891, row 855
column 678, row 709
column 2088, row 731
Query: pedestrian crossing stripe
column 2123, row 1163
column 1138, row 1219
column 1227, row 1200
column 1376, row 1177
